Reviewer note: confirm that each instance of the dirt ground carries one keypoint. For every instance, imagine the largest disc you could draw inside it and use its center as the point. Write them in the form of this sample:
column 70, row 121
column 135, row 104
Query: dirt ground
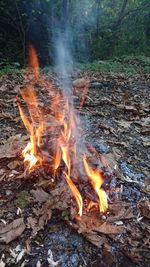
column 116, row 122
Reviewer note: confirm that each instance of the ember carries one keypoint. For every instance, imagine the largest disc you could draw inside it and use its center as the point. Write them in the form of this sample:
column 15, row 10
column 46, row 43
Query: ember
column 67, row 140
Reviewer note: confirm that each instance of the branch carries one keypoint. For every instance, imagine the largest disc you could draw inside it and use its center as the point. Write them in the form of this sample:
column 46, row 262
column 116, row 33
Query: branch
column 123, row 15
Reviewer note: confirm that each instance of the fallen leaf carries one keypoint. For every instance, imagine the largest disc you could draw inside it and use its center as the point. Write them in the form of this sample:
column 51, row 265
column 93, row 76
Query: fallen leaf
column 91, row 222
column 43, row 215
column 40, row 195
column 12, row 231
column 119, row 213
column 146, row 143
column 95, row 239
column 147, row 184
column 144, row 207
column 50, row 259
column 145, row 121
column 106, row 127
column 117, row 143
column 14, row 164
column 108, row 254
column 2, row 264
column 107, row 228
column 2, row 171
column 13, row 146
column 20, row 255
column 124, row 124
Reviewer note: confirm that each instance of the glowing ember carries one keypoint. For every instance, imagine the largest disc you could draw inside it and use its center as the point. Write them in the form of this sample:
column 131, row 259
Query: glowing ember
column 97, row 181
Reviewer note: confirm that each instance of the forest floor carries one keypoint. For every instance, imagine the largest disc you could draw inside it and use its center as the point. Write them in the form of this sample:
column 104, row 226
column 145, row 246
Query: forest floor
column 116, row 121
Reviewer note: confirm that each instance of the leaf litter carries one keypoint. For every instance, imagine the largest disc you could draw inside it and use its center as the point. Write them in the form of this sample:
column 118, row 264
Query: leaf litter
column 117, row 132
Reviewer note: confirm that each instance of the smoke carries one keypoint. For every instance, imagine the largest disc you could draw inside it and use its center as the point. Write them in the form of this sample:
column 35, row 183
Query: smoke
column 58, row 28
column 64, row 61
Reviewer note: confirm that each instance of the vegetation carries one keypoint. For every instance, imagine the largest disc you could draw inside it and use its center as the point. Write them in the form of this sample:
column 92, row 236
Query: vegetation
column 94, row 29
column 127, row 65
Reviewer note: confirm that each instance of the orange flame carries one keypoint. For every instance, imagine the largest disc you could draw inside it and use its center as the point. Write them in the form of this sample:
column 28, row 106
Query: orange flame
column 64, row 143
column 57, row 160
column 35, row 128
column 33, row 61
column 76, row 194
column 97, row 181
column 66, row 140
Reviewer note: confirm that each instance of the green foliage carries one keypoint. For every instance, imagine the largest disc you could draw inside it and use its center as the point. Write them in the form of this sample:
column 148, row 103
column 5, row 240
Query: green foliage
column 10, row 69
column 127, row 64
column 98, row 29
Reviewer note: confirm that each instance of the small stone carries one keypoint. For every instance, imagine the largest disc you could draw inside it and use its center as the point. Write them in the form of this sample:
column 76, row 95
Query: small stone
column 119, row 223
column 79, row 83
column 8, row 192
column 103, row 217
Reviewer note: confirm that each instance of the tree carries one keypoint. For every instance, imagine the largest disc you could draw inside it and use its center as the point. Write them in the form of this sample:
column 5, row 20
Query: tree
column 94, row 28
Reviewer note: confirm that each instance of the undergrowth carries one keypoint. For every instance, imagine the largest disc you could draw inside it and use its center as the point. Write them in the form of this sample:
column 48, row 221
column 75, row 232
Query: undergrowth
column 127, row 65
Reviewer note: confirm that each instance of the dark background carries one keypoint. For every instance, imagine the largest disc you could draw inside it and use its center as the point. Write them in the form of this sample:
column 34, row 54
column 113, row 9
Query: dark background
column 95, row 29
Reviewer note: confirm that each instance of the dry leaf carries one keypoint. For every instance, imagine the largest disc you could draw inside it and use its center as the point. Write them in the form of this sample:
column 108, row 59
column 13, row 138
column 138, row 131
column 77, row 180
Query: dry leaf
column 107, row 228
column 95, row 239
column 144, row 207
column 40, row 195
column 109, row 256
column 146, row 143
column 43, row 215
column 14, row 164
column 92, row 222
column 50, row 259
column 2, row 264
column 146, row 188
column 2, row 171
column 119, row 213
column 12, row 230
column 13, row 146
column 123, row 123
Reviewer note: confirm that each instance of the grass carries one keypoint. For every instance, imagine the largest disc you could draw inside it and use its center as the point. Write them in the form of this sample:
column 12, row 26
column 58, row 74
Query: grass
column 9, row 69
column 127, row 65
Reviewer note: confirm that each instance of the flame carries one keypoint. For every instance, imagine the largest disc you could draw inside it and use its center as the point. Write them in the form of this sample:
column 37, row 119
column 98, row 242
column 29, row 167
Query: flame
column 35, row 127
column 97, row 181
column 66, row 139
column 57, row 159
column 55, row 107
column 33, row 61
column 64, row 143
column 75, row 193
column 91, row 205
column 28, row 154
